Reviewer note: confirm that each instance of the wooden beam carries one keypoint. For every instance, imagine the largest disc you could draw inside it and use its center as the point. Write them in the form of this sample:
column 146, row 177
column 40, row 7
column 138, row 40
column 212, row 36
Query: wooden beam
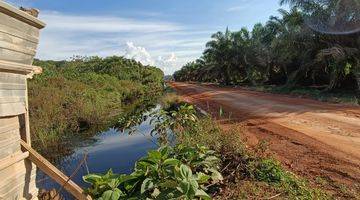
column 17, row 67
column 20, row 15
column 54, row 173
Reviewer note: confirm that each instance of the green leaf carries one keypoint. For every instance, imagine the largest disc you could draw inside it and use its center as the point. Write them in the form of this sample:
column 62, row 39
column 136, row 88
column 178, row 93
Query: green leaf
column 91, row 178
column 171, row 161
column 184, row 187
column 215, row 175
column 202, row 178
column 111, row 194
column 113, row 183
column 154, row 155
column 146, row 185
column 168, row 184
column 185, row 171
column 202, row 194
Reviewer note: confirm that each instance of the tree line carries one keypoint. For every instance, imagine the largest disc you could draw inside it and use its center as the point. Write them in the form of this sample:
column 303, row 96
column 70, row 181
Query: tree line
column 294, row 49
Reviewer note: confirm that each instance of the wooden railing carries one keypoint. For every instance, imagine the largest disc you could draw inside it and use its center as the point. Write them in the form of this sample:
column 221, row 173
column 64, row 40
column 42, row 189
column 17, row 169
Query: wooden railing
column 54, row 173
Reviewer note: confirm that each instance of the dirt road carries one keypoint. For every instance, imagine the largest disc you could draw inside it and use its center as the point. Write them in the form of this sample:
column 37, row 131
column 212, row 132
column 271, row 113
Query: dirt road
column 311, row 138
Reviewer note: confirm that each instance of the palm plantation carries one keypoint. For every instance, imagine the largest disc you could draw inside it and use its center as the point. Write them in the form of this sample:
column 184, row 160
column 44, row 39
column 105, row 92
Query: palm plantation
column 291, row 50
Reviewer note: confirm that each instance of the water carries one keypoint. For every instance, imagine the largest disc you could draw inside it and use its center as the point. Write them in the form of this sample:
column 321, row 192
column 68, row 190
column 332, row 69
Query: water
column 112, row 149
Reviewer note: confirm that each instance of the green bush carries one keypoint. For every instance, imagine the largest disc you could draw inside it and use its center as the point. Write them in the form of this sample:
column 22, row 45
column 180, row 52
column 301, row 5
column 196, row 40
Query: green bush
column 269, row 170
column 180, row 172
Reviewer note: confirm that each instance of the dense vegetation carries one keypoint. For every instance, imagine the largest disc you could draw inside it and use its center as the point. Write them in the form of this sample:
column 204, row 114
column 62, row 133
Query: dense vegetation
column 290, row 50
column 71, row 97
column 193, row 169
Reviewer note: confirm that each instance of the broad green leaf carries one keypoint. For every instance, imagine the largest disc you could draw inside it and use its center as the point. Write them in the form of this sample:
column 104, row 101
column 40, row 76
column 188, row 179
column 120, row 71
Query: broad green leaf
column 146, row 185
column 91, row 178
column 154, row 156
column 111, row 195
column 184, row 187
column 171, row 161
column 185, row 171
column 202, row 194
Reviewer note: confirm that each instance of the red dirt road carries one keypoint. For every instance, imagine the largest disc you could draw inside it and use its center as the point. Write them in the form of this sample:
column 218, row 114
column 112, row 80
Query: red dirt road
column 311, row 138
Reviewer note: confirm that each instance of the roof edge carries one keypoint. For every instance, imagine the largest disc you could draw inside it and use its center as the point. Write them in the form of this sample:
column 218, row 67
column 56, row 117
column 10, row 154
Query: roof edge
column 20, row 15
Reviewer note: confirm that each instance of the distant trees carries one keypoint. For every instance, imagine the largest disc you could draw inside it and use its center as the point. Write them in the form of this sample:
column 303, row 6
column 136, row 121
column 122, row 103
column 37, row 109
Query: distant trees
column 286, row 50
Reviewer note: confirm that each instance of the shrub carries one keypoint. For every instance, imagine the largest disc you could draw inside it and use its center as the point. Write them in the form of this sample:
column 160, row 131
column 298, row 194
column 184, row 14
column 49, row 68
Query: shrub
column 180, row 172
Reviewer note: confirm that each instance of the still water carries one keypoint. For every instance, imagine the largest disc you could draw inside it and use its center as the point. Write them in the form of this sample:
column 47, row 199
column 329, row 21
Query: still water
column 112, row 149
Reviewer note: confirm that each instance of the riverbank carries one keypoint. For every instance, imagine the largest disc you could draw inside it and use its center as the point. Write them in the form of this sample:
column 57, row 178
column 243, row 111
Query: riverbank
column 73, row 100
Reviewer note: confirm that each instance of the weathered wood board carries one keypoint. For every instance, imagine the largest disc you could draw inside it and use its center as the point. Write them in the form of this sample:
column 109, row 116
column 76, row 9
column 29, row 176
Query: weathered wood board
column 19, row 34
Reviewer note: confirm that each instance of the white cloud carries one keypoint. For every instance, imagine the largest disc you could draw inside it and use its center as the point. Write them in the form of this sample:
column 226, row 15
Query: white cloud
column 168, row 64
column 138, row 53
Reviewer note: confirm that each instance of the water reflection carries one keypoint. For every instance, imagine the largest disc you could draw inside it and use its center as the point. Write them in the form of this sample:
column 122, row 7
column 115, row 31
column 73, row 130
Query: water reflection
column 112, row 149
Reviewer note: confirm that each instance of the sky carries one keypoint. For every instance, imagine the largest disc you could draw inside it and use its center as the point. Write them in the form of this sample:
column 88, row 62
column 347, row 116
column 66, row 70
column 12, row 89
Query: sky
column 164, row 33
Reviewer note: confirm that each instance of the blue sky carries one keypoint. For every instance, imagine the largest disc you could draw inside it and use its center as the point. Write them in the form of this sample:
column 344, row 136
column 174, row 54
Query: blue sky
column 165, row 33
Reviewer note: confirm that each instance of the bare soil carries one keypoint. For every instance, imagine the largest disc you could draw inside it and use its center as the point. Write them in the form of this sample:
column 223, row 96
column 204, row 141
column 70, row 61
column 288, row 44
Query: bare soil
column 317, row 140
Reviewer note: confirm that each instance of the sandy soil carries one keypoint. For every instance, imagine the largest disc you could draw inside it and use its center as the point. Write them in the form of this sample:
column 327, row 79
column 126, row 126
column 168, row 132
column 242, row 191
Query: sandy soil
column 311, row 138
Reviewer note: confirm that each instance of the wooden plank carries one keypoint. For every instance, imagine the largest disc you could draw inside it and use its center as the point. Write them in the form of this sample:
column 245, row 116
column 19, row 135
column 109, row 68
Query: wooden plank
column 13, row 56
column 13, row 66
column 12, row 86
column 7, row 77
column 16, row 48
column 11, row 109
column 18, row 185
column 17, row 42
column 11, row 160
column 12, row 134
column 19, row 34
column 7, row 121
column 11, row 138
column 14, row 23
column 9, row 149
column 54, row 173
column 20, row 15
column 11, row 99
column 13, row 93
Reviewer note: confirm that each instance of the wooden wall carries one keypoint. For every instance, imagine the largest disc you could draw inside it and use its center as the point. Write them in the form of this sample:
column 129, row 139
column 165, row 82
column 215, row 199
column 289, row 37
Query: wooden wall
column 19, row 33
column 17, row 174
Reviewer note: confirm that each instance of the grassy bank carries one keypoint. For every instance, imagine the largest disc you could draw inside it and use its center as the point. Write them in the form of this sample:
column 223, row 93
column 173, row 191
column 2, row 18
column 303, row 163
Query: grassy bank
column 70, row 98
column 248, row 173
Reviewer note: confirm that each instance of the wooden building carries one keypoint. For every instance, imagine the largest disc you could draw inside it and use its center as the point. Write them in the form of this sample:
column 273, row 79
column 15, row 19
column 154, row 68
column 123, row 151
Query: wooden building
column 19, row 37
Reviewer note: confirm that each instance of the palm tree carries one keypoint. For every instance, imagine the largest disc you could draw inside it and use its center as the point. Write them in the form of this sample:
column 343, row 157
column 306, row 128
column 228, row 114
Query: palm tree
column 330, row 16
column 218, row 53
